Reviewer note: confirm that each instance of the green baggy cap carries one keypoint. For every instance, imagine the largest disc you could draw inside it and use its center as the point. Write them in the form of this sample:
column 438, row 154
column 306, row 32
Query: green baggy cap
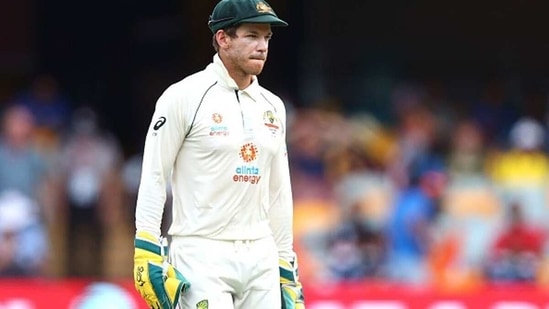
column 233, row 12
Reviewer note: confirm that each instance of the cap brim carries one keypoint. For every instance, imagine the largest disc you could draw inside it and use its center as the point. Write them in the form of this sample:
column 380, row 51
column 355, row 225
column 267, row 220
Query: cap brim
column 264, row 19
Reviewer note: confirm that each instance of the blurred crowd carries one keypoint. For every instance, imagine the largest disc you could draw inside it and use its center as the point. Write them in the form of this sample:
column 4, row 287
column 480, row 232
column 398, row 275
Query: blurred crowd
column 443, row 193
column 446, row 193
column 62, row 197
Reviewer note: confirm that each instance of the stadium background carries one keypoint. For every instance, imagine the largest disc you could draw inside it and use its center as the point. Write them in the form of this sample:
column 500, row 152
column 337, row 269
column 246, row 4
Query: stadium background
column 374, row 90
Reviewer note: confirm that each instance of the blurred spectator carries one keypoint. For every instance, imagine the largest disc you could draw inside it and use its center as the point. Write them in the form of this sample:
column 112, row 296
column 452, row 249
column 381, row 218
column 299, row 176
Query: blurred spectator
column 51, row 110
column 23, row 238
column 409, row 231
column 416, row 133
column 362, row 188
column 517, row 252
column 312, row 135
column 366, row 196
column 355, row 249
column 345, row 260
column 90, row 164
column 521, row 173
column 375, row 142
column 22, row 167
column 48, row 104
column 466, row 160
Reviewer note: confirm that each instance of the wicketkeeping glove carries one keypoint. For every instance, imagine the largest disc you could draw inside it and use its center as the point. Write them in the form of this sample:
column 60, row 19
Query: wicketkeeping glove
column 291, row 288
column 158, row 282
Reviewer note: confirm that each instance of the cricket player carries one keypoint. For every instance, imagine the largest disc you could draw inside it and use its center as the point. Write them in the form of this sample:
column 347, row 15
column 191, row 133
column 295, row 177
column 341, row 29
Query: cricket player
column 219, row 137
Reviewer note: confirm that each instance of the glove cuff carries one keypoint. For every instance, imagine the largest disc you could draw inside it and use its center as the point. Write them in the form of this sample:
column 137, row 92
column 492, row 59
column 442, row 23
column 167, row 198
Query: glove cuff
column 146, row 241
column 288, row 271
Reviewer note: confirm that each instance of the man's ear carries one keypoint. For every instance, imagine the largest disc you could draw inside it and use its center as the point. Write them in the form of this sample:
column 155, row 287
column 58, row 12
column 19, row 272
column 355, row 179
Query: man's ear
column 222, row 39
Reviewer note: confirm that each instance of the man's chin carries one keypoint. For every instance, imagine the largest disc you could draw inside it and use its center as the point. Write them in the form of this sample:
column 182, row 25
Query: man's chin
column 256, row 69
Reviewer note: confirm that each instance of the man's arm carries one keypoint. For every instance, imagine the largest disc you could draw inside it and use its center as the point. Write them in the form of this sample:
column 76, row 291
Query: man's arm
column 157, row 281
column 164, row 138
column 281, row 222
column 281, row 200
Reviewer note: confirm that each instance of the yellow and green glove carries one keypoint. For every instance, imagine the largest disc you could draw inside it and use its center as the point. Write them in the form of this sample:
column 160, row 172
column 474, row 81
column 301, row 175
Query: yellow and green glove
column 157, row 281
column 291, row 288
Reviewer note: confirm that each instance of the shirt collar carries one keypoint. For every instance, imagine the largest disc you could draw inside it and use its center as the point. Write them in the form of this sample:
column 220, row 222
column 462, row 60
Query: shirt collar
column 253, row 90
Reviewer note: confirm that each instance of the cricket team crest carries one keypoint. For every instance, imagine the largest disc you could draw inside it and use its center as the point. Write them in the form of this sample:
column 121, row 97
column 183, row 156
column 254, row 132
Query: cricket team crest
column 203, row 304
column 271, row 122
column 263, row 8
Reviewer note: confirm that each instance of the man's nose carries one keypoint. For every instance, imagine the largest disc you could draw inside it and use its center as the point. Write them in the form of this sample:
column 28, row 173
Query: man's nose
column 263, row 44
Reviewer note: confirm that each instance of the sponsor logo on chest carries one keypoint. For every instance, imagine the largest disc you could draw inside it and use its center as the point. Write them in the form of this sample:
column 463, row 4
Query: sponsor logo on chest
column 218, row 128
column 248, row 172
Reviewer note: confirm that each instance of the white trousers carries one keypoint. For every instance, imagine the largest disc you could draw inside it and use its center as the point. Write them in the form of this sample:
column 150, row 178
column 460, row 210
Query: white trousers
column 241, row 274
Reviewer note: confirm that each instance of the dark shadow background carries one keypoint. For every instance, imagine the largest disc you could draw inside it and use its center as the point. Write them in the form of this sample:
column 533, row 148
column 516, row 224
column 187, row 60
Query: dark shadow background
column 118, row 55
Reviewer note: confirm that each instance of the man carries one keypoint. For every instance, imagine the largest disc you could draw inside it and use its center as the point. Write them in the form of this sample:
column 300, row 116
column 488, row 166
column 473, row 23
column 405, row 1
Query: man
column 220, row 136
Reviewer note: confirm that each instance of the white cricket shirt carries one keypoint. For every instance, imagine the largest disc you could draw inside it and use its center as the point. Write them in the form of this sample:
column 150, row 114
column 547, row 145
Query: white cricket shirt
column 225, row 152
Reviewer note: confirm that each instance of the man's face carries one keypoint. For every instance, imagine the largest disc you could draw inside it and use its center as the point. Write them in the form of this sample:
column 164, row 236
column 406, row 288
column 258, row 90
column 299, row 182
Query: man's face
column 247, row 52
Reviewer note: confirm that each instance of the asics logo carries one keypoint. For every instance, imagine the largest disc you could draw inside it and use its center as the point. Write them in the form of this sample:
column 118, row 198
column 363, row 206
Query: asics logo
column 161, row 121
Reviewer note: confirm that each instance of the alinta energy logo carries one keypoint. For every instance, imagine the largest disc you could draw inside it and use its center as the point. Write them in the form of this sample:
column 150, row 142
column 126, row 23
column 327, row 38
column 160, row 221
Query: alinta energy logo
column 217, row 128
column 248, row 172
